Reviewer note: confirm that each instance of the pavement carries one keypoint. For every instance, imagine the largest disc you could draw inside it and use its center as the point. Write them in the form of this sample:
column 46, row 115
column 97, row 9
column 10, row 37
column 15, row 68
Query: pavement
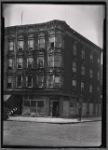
column 53, row 120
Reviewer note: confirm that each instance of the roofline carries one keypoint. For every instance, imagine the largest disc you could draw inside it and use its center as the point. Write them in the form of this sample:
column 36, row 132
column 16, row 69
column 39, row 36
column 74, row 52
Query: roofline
column 66, row 26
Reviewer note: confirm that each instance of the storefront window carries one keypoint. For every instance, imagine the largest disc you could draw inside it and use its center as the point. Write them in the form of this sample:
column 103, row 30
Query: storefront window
column 40, row 104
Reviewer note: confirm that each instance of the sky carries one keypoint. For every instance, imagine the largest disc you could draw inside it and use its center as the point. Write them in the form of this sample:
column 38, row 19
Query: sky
column 85, row 19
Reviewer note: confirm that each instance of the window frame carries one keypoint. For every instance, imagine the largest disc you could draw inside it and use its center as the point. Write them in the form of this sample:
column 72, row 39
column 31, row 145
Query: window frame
column 42, row 81
column 18, row 63
column 30, row 39
column 9, row 87
column 21, row 81
column 74, row 67
column 10, row 50
column 31, row 66
column 20, row 48
column 27, row 82
column 82, row 86
column 10, row 67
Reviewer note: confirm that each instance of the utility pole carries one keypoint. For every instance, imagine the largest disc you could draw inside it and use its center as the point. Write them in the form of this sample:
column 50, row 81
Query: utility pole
column 22, row 17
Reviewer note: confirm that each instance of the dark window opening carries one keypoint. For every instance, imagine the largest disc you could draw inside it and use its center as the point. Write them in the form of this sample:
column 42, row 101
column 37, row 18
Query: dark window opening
column 52, row 44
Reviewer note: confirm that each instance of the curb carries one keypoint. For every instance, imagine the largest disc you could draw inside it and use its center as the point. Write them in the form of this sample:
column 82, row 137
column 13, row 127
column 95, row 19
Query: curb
column 55, row 122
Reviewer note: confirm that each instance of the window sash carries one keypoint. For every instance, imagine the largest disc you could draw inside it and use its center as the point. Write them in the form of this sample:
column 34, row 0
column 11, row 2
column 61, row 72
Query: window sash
column 40, row 81
column 19, row 81
column 20, row 62
column 9, row 82
column 40, row 62
column 20, row 45
column 31, row 43
column 11, row 45
column 74, row 83
column 10, row 63
column 30, row 62
column 29, row 81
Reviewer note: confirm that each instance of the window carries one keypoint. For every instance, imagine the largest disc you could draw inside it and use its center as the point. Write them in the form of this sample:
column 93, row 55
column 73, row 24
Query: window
column 40, row 81
column 98, row 90
column 57, row 60
column 41, row 43
column 82, row 86
column 98, row 61
column 26, row 103
column 11, row 45
column 10, row 63
column 30, row 62
column 31, row 44
column 74, row 83
column 51, row 61
column 91, row 73
column 40, row 104
column 83, row 54
column 90, row 88
column 75, row 49
column 20, row 45
column 9, row 82
column 74, row 68
column 91, row 57
column 20, row 63
column 40, row 61
column 50, row 81
column 54, row 81
column 29, row 81
column 83, row 70
column 58, row 42
column 52, row 41
column 58, row 81
column 19, row 81
column 98, row 76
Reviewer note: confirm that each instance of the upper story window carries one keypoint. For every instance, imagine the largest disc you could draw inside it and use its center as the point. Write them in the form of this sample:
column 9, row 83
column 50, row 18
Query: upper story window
column 40, row 61
column 91, row 57
column 11, row 45
column 9, row 82
column 20, row 62
column 98, row 61
column 98, row 90
column 19, row 81
column 59, row 41
column 83, row 70
column 73, row 83
column 74, row 67
column 90, row 88
column 41, row 43
column 58, row 81
column 75, row 49
column 40, row 81
column 82, row 86
column 98, row 76
column 29, row 62
column 55, row 60
column 10, row 63
column 29, row 81
column 31, row 44
column 52, row 42
column 54, row 81
column 91, row 73
column 20, row 45
column 83, row 54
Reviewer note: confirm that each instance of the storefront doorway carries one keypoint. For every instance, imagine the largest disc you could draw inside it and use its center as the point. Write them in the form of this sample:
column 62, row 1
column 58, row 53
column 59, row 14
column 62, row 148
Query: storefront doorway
column 55, row 109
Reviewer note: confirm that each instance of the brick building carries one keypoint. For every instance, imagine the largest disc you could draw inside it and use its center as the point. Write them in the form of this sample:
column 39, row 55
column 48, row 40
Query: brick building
column 49, row 68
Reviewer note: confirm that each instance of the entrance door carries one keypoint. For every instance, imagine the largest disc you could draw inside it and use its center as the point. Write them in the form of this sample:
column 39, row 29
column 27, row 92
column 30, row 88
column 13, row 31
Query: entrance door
column 55, row 110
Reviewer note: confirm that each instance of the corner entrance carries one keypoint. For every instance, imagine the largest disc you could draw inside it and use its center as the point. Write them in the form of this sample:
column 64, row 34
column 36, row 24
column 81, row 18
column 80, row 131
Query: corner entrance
column 55, row 109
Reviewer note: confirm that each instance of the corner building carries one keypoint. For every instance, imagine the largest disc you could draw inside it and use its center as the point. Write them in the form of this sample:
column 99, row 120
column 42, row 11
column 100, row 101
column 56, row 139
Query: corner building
column 49, row 68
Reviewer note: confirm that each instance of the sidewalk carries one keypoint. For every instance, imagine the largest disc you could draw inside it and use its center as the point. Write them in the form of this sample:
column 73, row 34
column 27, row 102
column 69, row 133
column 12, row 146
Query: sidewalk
column 53, row 120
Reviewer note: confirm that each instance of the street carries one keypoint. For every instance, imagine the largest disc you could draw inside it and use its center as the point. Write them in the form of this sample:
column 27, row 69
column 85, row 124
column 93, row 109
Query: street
column 44, row 134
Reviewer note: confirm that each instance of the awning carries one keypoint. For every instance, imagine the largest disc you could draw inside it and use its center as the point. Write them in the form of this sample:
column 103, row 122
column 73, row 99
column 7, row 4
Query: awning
column 6, row 97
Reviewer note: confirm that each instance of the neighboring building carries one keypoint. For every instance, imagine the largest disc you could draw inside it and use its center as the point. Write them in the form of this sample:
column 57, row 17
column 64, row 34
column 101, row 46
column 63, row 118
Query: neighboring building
column 48, row 68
